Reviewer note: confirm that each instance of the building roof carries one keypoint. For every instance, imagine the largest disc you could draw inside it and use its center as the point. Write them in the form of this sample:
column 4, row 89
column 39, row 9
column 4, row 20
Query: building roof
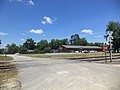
column 81, row 47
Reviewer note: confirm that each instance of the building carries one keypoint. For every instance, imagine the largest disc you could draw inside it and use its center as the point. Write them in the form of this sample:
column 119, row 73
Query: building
column 85, row 49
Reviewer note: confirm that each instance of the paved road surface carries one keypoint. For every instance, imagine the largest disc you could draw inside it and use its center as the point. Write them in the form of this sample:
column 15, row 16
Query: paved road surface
column 47, row 74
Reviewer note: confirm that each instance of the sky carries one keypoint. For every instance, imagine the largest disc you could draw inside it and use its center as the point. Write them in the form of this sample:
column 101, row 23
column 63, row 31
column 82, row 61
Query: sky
column 55, row 19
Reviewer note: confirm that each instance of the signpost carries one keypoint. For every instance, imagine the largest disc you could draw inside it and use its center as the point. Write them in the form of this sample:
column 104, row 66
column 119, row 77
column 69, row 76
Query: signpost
column 5, row 51
column 110, row 37
column 0, row 47
column 105, row 49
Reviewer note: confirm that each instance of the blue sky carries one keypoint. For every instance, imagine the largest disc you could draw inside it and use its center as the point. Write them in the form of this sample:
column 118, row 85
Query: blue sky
column 51, row 19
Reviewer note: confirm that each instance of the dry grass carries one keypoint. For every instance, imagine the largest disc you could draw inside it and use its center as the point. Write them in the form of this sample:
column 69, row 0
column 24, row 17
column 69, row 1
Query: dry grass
column 7, row 58
column 7, row 71
column 71, row 56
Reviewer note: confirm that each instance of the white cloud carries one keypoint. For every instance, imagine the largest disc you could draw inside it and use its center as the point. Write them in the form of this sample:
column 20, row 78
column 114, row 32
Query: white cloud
column 36, row 31
column 22, row 39
column 23, row 33
column 48, row 20
column 99, row 36
column 3, row 34
column 16, row 0
column 29, row 2
column 43, row 22
column 43, row 35
column 87, row 31
column 26, row 2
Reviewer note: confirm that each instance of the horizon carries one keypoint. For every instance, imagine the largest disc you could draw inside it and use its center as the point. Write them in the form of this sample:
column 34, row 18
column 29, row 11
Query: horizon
column 20, row 19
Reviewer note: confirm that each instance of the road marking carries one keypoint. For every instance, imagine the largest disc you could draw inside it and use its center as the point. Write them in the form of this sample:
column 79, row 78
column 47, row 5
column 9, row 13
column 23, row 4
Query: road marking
column 62, row 72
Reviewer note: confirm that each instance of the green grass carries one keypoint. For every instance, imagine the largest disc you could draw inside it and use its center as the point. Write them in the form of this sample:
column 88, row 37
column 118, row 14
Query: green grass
column 70, row 56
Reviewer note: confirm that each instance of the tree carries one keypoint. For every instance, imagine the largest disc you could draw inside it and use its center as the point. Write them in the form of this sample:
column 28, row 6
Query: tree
column 0, row 42
column 75, row 40
column 54, row 44
column 43, row 47
column 13, row 48
column 98, row 44
column 64, row 41
column 42, row 44
column 22, row 50
column 83, row 42
column 30, row 44
column 115, row 27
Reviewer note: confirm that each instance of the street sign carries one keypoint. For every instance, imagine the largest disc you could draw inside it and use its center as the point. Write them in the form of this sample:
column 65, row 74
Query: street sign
column 105, row 48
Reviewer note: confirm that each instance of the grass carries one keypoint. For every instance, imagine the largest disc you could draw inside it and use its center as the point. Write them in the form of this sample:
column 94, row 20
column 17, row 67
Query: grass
column 7, row 58
column 71, row 55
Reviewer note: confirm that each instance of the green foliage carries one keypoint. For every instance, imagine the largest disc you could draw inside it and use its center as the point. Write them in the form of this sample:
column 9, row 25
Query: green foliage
column 54, row 44
column 98, row 44
column 42, row 47
column 13, row 48
column 83, row 42
column 0, row 42
column 64, row 41
column 115, row 27
column 42, row 44
column 22, row 50
column 30, row 44
column 76, row 40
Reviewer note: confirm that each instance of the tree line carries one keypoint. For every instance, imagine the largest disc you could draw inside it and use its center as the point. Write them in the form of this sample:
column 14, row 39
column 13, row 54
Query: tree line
column 43, row 46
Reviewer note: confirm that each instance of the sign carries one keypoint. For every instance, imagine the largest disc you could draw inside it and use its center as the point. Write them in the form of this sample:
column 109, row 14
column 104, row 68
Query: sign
column 105, row 48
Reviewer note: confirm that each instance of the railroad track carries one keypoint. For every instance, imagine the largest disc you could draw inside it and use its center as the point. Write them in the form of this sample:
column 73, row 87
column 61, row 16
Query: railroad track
column 92, row 59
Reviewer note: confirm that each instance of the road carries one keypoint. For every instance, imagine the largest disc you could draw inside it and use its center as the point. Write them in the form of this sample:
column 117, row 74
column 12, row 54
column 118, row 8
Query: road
column 53, row 74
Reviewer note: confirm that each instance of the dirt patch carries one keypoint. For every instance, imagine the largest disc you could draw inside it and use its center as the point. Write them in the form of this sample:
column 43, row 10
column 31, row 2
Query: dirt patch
column 11, row 84
column 8, row 76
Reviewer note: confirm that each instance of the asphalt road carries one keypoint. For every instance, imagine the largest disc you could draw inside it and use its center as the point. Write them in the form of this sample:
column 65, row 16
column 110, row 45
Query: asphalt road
column 53, row 74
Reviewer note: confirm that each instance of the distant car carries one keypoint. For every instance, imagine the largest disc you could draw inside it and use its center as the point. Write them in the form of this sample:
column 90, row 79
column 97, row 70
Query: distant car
column 17, row 53
column 76, row 51
column 93, row 51
column 85, row 51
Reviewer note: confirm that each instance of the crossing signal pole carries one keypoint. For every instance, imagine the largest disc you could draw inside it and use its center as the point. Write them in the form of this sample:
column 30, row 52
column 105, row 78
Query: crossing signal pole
column 110, row 40
column 0, row 47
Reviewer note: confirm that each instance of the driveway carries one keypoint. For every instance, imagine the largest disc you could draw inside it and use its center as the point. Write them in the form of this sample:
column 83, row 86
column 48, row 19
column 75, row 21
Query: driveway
column 53, row 74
